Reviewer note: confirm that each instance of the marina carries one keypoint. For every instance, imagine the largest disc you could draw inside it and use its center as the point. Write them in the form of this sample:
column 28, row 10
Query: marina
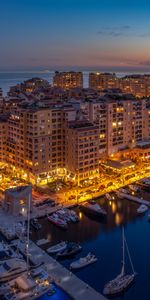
column 99, row 236
column 93, row 234
column 75, row 287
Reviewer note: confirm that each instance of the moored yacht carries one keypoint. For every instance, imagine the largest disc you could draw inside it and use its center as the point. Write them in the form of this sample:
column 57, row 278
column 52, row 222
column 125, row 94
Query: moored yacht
column 142, row 209
column 72, row 248
column 123, row 281
column 93, row 208
column 107, row 195
column 11, row 268
column 27, row 287
column 56, row 220
column 83, row 262
column 57, row 248
column 134, row 188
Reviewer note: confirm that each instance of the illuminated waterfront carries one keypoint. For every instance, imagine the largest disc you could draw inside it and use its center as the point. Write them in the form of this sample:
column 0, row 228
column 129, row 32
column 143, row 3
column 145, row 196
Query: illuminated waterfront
column 102, row 237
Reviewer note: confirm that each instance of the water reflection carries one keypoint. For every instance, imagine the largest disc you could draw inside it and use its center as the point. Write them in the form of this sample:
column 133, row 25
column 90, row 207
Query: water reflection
column 114, row 207
column 104, row 239
column 118, row 219
column 118, row 212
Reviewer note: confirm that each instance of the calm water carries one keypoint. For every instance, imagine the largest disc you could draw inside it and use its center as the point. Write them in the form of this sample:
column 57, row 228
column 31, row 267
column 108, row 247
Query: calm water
column 104, row 239
column 59, row 295
column 10, row 79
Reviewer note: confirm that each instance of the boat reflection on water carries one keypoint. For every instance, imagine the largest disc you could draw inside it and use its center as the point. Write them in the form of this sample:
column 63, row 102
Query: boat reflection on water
column 118, row 219
column 118, row 212
column 103, row 240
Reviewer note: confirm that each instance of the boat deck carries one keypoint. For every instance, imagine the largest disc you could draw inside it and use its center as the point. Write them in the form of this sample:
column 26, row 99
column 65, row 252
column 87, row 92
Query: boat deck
column 75, row 287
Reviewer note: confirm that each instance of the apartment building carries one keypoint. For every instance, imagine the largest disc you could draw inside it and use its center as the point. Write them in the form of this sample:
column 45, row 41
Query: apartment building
column 138, row 85
column 98, row 116
column 82, row 157
column 3, row 137
column 36, row 140
column 122, row 120
column 44, row 140
column 102, row 81
column 68, row 80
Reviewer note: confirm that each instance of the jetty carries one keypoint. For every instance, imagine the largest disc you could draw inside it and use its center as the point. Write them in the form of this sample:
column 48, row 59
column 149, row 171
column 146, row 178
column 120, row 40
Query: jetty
column 66, row 280
column 133, row 198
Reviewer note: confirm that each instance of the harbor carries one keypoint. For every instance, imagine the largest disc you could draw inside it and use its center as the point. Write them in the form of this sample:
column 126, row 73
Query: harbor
column 99, row 236
column 96, row 235
column 75, row 287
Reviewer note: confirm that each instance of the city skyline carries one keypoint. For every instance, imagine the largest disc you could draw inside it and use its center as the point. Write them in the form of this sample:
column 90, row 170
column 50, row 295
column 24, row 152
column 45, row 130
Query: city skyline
column 79, row 35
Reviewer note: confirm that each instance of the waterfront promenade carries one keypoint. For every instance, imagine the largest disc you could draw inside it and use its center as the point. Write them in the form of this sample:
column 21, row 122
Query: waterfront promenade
column 75, row 287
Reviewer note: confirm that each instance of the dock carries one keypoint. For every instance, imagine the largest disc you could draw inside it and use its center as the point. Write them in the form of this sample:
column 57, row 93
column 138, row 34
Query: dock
column 134, row 199
column 66, row 280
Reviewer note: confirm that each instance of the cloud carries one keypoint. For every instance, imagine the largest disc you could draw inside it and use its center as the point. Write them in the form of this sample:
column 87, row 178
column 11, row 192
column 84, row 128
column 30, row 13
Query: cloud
column 145, row 63
column 124, row 31
column 114, row 31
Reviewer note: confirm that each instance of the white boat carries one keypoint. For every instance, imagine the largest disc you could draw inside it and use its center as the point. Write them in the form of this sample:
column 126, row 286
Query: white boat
column 56, row 220
column 57, row 248
column 11, row 268
column 25, row 287
column 93, row 208
column 63, row 215
column 73, row 216
column 107, row 195
column 134, row 188
column 142, row 209
column 83, row 261
column 123, row 281
column 123, row 190
column 6, row 252
column 30, row 285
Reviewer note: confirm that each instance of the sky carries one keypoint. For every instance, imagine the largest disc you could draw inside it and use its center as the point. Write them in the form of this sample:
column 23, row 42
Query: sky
column 75, row 34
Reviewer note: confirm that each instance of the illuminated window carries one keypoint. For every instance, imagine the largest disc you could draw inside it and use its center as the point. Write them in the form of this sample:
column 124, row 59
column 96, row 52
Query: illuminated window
column 22, row 202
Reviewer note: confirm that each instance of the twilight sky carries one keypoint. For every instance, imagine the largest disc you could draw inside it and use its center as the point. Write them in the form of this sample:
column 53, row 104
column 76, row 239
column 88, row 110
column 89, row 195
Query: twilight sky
column 95, row 34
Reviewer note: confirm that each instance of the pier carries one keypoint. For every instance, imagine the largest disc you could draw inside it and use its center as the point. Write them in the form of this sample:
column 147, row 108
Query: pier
column 70, row 283
column 134, row 199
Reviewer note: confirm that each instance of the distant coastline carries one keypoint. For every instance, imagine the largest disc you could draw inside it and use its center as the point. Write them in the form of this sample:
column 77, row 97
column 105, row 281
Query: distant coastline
column 11, row 78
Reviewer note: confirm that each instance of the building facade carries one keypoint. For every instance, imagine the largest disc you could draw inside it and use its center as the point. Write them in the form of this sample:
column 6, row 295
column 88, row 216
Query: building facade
column 82, row 156
column 68, row 80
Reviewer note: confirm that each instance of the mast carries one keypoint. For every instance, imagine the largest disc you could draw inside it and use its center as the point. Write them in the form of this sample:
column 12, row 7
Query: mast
column 123, row 252
column 130, row 257
column 28, row 231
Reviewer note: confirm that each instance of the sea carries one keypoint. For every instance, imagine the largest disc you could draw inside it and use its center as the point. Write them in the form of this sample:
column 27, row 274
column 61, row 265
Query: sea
column 103, row 237
column 8, row 79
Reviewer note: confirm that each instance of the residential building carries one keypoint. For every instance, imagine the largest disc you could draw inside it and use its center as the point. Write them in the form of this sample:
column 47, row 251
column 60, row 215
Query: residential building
column 3, row 138
column 102, row 81
column 68, row 80
column 82, row 150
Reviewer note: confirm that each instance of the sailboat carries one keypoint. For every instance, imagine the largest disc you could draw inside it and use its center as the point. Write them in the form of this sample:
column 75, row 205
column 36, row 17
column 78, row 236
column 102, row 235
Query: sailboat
column 123, row 281
column 30, row 283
